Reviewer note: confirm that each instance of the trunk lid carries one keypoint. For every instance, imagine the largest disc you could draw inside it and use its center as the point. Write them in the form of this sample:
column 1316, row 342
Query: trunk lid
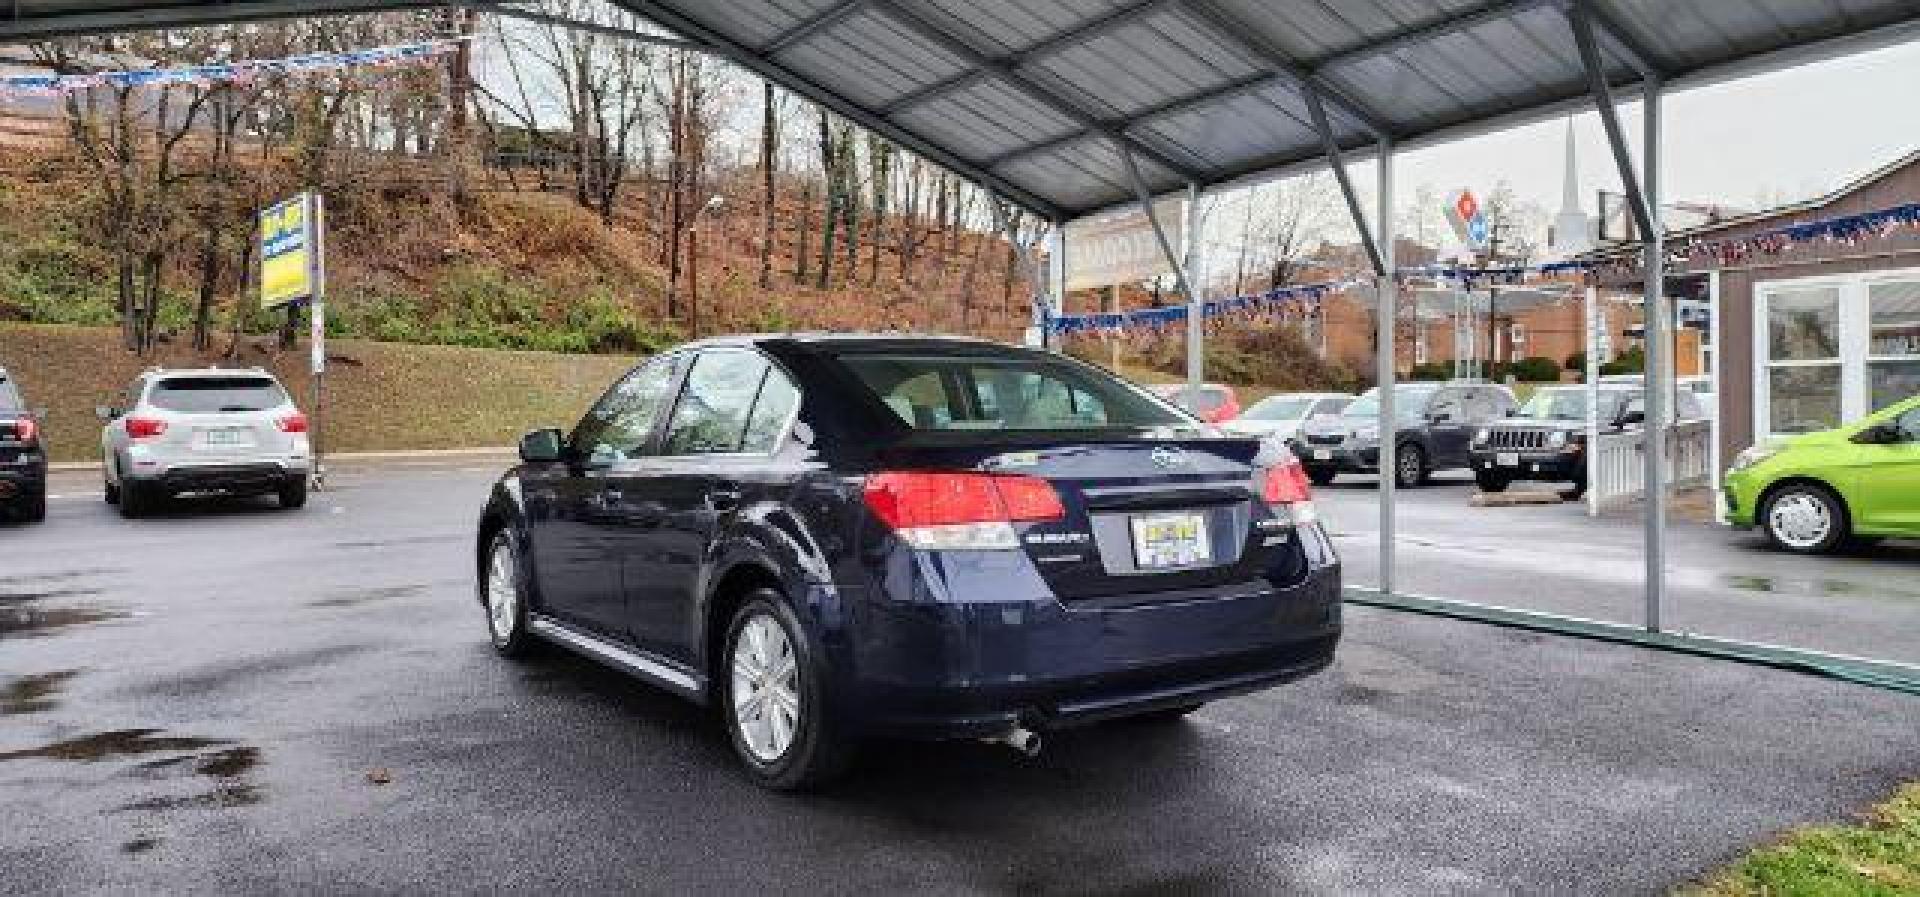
column 1144, row 514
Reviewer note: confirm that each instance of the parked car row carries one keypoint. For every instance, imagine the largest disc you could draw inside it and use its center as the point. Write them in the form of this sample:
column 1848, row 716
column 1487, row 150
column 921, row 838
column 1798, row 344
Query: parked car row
column 23, row 456
column 234, row 432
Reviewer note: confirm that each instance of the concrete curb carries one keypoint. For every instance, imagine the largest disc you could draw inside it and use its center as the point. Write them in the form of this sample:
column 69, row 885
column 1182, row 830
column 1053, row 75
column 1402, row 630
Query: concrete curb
column 349, row 457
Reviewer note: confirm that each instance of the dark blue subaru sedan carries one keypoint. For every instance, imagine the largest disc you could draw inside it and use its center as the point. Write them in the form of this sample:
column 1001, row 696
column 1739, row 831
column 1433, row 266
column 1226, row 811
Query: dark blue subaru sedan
column 830, row 537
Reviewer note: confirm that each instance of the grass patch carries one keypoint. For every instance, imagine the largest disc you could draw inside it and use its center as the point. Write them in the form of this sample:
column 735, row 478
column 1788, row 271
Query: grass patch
column 381, row 396
column 1879, row 857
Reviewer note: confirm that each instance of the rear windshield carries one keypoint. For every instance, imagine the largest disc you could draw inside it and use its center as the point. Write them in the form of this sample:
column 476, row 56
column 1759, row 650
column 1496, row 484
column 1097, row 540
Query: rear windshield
column 957, row 392
column 1279, row 408
column 9, row 396
column 1571, row 404
column 1408, row 401
column 211, row 395
column 1211, row 398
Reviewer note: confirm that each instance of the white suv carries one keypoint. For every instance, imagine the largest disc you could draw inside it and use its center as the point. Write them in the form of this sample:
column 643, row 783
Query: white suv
column 213, row 429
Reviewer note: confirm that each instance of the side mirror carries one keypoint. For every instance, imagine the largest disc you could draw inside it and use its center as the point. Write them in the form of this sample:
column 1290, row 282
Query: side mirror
column 106, row 413
column 1880, row 434
column 542, row 446
column 1633, row 417
column 1440, row 417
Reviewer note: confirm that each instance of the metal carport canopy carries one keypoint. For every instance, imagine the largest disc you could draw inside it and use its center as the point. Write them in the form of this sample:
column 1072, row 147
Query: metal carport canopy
column 1030, row 97
column 1069, row 107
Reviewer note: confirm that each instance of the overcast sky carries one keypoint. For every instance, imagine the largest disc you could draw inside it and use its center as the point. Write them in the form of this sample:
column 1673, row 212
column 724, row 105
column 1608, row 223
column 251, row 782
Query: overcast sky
column 1786, row 135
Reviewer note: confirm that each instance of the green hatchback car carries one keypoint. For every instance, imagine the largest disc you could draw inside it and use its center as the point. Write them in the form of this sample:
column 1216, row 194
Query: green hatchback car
column 1813, row 493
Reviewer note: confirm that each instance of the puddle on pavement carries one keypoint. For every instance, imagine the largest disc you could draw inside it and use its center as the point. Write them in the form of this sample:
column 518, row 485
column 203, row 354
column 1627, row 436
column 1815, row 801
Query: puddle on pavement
column 402, row 540
column 1812, row 588
column 33, row 694
column 117, row 743
column 62, row 575
column 353, row 597
column 236, row 794
column 39, row 621
column 10, row 597
column 228, row 763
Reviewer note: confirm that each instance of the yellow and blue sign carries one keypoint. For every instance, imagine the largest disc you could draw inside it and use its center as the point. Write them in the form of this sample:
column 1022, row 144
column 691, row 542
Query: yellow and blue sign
column 290, row 256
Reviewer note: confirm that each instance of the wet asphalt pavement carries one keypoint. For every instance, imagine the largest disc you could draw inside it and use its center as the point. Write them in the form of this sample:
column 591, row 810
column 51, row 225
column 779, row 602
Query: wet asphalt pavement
column 235, row 699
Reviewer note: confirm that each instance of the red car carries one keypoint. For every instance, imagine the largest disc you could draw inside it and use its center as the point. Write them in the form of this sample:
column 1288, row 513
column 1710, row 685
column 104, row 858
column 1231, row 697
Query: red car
column 1213, row 402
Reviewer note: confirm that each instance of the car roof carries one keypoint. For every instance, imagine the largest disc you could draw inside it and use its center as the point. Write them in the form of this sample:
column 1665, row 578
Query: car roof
column 171, row 373
column 832, row 339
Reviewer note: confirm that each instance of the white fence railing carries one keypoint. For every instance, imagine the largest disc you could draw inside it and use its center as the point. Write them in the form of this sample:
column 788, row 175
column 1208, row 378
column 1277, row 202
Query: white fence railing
column 1618, row 472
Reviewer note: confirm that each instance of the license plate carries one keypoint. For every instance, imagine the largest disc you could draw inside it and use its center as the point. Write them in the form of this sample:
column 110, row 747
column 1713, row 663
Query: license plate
column 1322, row 455
column 227, row 436
column 1507, row 459
column 1162, row 541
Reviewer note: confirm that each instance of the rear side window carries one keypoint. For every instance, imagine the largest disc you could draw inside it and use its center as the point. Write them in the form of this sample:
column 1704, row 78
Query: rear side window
column 716, row 406
column 212, row 395
column 10, row 396
column 962, row 392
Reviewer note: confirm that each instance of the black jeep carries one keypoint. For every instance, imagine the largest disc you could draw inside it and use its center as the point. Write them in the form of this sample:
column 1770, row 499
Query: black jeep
column 23, row 456
column 1546, row 441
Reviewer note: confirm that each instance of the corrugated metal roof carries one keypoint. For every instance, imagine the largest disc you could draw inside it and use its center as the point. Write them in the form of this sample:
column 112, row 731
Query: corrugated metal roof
column 1029, row 96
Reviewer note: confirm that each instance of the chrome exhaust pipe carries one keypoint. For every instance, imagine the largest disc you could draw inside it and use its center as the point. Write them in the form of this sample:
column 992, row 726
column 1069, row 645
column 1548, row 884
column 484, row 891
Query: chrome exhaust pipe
column 1021, row 739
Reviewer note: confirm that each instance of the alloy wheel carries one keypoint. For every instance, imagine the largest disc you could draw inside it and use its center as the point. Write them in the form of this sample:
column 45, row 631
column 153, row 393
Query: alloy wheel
column 1408, row 462
column 1800, row 520
column 766, row 688
column 503, row 592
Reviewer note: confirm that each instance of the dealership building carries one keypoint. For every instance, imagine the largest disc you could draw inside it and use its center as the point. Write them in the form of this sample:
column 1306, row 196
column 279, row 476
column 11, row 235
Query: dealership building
column 1800, row 335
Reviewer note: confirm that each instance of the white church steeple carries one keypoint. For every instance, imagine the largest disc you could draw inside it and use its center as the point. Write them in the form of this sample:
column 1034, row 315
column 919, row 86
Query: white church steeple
column 1572, row 230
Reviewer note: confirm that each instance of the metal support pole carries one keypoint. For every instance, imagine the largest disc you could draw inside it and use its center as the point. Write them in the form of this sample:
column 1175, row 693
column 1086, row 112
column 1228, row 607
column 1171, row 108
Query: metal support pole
column 1024, row 254
column 1196, row 320
column 1596, row 323
column 1389, row 295
column 1659, row 376
column 1645, row 207
column 1056, row 301
column 1145, row 194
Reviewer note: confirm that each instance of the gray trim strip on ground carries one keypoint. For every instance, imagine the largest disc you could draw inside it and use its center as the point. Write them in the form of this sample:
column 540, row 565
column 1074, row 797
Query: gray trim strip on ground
column 1889, row 675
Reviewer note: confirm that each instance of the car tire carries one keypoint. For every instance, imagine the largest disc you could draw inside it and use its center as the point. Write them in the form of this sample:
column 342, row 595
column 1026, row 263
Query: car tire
column 1576, row 491
column 34, row 509
column 136, row 500
column 1410, row 466
column 1804, row 518
column 110, row 490
column 769, row 673
column 1491, row 482
column 503, row 595
column 293, row 494
column 1321, row 476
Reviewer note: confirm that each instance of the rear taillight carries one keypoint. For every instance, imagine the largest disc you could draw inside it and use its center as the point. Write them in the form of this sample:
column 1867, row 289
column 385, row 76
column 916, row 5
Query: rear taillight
column 145, row 427
column 960, row 510
column 292, row 423
column 1284, row 485
column 25, row 429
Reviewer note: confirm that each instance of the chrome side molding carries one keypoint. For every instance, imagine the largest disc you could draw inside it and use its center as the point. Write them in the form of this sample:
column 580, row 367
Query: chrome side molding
column 631, row 660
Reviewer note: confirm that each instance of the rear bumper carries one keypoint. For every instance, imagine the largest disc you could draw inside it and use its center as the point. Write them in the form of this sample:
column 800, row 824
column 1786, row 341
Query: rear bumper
column 22, row 481
column 1343, row 458
column 252, row 477
column 976, row 668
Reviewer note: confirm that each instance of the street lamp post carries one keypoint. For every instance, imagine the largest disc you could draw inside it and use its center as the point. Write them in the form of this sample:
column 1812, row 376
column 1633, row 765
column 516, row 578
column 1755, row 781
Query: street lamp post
column 693, row 263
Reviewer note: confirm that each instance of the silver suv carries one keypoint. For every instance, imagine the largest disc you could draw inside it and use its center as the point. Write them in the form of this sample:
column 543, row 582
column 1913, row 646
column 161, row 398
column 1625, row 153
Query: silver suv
column 204, row 430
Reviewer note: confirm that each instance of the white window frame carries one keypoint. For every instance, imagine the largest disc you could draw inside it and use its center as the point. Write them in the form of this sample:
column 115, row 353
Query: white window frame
column 1853, row 336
